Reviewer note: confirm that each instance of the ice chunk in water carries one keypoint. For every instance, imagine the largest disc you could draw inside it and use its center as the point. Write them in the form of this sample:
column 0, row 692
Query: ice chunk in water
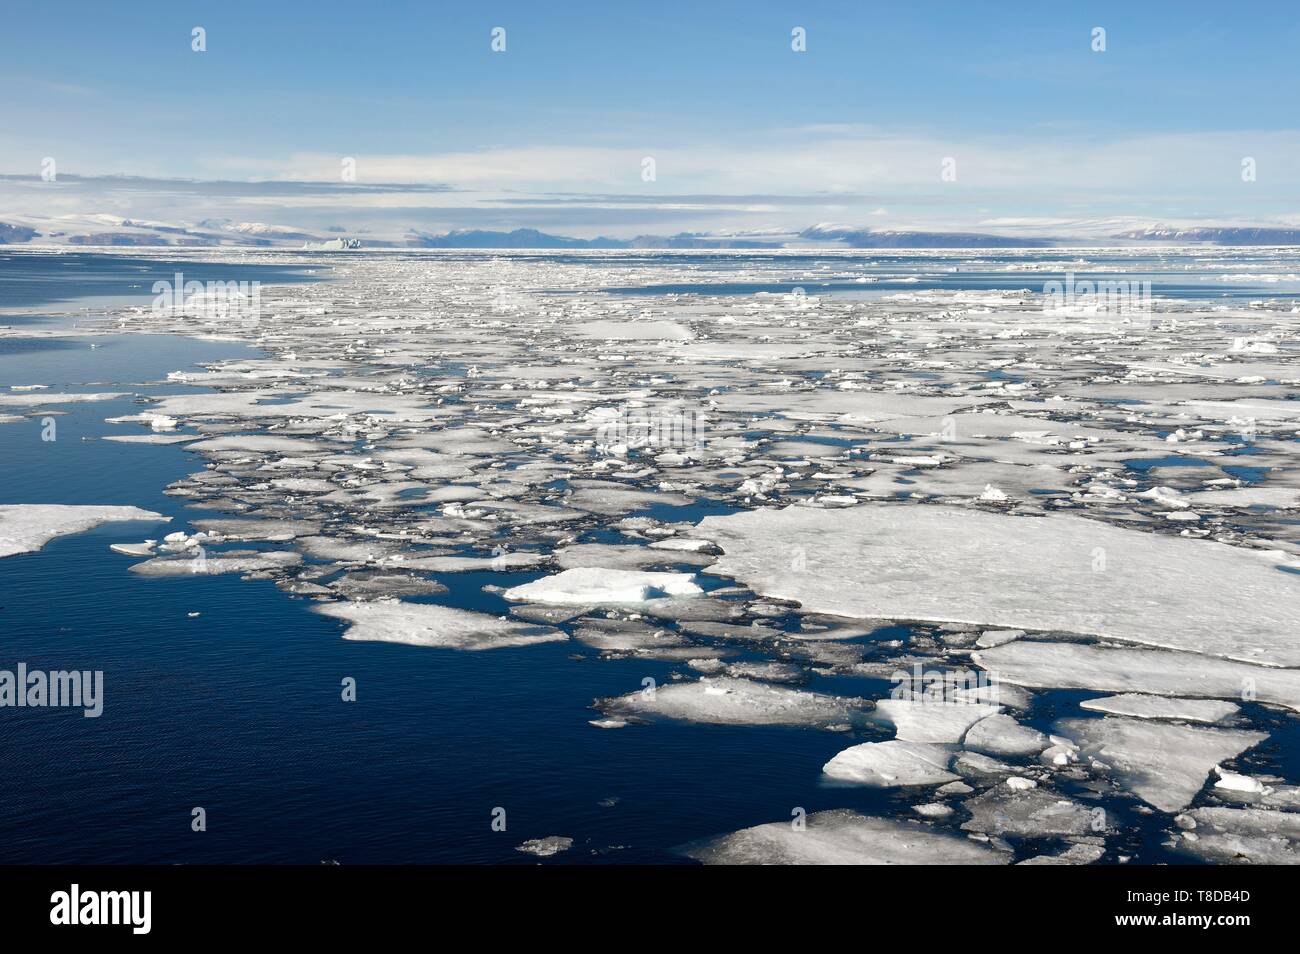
column 426, row 624
column 591, row 585
column 1164, row 764
column 725, row 701
column 843, row 837
column 25, row 528
column 892, row 764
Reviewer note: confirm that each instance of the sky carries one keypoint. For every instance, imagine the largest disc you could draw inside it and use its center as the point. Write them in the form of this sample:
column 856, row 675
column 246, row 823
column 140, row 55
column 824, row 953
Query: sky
column 1046, row 133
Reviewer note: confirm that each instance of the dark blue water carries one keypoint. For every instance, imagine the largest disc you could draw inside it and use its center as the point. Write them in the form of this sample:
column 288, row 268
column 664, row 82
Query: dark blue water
column 238, row 709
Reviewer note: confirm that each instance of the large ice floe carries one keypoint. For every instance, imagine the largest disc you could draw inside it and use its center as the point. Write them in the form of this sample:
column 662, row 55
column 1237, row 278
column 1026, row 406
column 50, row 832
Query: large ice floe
column 25, row 528
column 1164, row 764
column 938, row 563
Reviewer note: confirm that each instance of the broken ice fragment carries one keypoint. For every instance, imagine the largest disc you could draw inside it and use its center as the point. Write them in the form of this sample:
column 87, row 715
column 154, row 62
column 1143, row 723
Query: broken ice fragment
column 426, row 624
column 1164, row 764
column 592, row 585
column 843, row 837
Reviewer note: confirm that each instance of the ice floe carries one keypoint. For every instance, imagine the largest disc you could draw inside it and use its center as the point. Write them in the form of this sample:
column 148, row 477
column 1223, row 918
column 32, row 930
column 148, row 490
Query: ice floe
column 25, row 528
column 892, row 764
column 939, row 563
column 593, row 585
column 427, row 624
column 1161, row 707
column 842, row 837
column 1164, row 764
column 728, row 701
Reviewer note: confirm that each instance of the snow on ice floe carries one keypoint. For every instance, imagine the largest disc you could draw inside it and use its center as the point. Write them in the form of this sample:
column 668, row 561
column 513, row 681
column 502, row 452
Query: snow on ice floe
column 842, row 837
column 940, row 563
column 1164, row 764
column 1150, row 671
column 892, row 764
column 1159, row 707
column 25, row 528
column 594, row 585
column 726, row 701
column 427, row 624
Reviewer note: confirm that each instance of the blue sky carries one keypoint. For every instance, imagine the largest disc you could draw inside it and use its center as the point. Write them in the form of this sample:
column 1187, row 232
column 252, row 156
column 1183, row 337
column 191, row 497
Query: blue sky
column 1045, row 132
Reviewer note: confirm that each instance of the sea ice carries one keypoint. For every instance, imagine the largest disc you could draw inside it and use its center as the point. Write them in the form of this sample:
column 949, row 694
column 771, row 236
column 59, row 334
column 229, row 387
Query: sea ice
column 724, row 701
column 842, row 837
column 25, row 528
column 1164, row 764
column 1241, row 836
column 1003, row 735
column 892, row 764
column 1078, row 666
column 546, row 847
column 593, row 585
column 427, row 624
column 950, row 564
column 931, row 721
column 1029, row 812
column 1163, row 707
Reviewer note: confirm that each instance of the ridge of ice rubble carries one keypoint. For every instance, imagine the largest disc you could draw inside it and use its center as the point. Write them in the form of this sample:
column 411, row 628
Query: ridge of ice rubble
column 728, row 701
column 26, row 528
column 940, row 563
column 843, row 837
column 427, row 624
column 595, row 586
